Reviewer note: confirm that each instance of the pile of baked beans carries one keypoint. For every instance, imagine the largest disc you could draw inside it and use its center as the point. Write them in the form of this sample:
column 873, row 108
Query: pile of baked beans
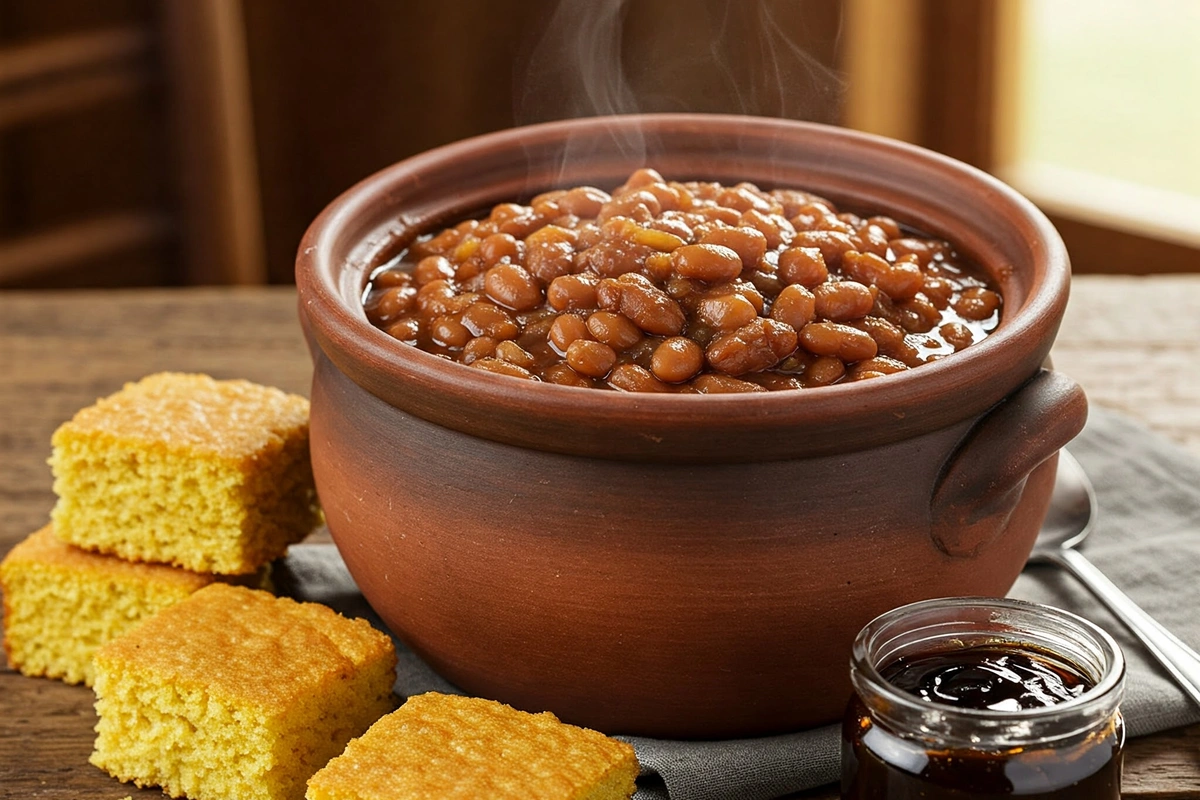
column 682, row 287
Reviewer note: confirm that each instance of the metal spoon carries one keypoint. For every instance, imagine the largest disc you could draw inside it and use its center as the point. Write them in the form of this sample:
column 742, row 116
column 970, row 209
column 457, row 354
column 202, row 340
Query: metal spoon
column 1069, row 521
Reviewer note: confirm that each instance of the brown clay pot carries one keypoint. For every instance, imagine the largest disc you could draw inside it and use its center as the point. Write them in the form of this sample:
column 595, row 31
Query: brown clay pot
column 677, row 565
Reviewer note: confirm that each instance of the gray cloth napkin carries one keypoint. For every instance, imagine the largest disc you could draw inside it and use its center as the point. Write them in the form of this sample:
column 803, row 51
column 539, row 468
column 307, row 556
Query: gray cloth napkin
column 1146, row 539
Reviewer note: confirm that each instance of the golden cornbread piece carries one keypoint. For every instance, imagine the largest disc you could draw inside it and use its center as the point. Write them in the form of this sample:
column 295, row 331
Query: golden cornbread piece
column 439, row 746
column 234, row 693
column 61, row 603
column 212, row 476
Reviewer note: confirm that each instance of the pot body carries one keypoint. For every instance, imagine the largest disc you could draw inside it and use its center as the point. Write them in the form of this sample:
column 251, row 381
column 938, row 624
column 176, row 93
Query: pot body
column 664, row 600
column 671, row 565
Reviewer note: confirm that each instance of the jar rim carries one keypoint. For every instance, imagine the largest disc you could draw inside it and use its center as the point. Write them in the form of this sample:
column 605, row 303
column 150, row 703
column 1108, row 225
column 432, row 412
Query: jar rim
column 1105, row 692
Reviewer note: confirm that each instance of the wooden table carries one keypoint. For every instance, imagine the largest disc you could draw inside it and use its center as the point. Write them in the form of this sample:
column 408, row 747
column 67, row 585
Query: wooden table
column 1133, row 343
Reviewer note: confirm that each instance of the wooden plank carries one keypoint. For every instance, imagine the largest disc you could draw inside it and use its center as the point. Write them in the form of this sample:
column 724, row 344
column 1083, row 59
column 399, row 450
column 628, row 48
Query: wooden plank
column 51, row 58
column 67, row 245
column 216, row 154
column 33, row 102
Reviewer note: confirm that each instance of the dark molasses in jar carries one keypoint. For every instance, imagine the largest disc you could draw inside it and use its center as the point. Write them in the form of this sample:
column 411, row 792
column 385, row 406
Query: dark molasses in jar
column 980, row 698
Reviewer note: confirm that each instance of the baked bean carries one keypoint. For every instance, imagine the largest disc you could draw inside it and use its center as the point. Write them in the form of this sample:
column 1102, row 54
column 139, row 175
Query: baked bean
column 674, row 224
column 918, row 315
column 889, row 338
column 840, row 301
column 824, row 371
column 864, row 267
column 549, row 253
column 901, row 281
column 449, row 332
column 572, row 292
column 957, row 335
column 741, row 198
column 716, row 383
column 406, row 329
column 767, row 283
column 641, row 178
column 477, row 348
column 612, row 258
column 792, row 200
column 498, row 247
column 503, row 368
column 758, row 345
column 921, row 249
column 392, row 303
column 583, row 201
column 511, row 286
column 834, row 339
column 484, row 319
column 804, row 266
column 657, row 240
column 594, row 359
column 439, row 245
column 513, row 353
column 777, row 230
column 725, row 311
column 776, row 381
column 795, row 306
column 676, row 360
column 388, row 278
column 639, row 206
column 642, row 302
column 436, row 297
column 563, row 375
column 749, row 243
column 634, row 378
column 832, row 244
column 565, row 329
column 977, row 303
column 889, row 226
column 707, row 262
column 938, row 290
column 874, row 240
column 669, row 198
column 614, row 330
column 881, row 365
column 657, row 267
column 693, row 287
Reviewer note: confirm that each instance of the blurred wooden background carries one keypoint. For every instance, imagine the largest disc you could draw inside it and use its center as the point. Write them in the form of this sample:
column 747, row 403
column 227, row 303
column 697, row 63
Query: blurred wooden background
column 169, row 142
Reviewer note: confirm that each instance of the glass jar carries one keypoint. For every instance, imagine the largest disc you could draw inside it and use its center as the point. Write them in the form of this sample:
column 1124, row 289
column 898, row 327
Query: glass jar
column 897, row 745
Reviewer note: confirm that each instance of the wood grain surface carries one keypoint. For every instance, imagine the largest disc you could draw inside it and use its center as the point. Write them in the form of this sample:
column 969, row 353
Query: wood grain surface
column 1132, row 342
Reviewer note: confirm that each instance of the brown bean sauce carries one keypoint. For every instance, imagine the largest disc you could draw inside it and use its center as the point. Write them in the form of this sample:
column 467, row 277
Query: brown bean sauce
column 687, row 287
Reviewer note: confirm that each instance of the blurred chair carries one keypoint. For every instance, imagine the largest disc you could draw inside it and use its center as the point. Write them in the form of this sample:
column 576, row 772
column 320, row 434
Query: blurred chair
column 127, row 151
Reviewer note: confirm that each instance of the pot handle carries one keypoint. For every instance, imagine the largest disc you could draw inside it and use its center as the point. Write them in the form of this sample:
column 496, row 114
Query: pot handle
column 984, row 477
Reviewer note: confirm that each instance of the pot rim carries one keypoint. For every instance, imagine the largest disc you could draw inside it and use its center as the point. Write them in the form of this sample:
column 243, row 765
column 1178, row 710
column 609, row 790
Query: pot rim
column 359, row 229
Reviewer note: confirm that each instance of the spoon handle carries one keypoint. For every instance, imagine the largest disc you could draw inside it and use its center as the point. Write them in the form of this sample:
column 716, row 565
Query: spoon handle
column 1178, row 659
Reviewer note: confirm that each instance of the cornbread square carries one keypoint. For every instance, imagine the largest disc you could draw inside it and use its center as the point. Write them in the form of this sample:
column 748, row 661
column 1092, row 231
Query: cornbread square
column 61, row 603
column 235, row 693
column 444, row 746
column 212, row 476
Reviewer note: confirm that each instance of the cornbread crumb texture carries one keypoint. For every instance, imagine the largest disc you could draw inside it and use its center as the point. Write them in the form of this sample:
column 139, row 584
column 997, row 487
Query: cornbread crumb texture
column 62, row 603
column 209, row 475
column 236, row 693
column 444, row 746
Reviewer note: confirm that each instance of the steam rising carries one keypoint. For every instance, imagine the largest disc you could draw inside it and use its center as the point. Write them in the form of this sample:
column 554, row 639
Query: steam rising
column 603, row 57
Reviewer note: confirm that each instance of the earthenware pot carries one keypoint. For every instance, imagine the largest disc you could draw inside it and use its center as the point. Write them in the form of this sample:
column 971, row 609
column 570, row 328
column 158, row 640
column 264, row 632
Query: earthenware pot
column 677, row 565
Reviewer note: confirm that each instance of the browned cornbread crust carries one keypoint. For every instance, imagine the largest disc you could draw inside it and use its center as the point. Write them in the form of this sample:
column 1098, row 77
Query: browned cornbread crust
column 212, row 476
column 62, row 603
column 442, row 747
column 234, row 693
